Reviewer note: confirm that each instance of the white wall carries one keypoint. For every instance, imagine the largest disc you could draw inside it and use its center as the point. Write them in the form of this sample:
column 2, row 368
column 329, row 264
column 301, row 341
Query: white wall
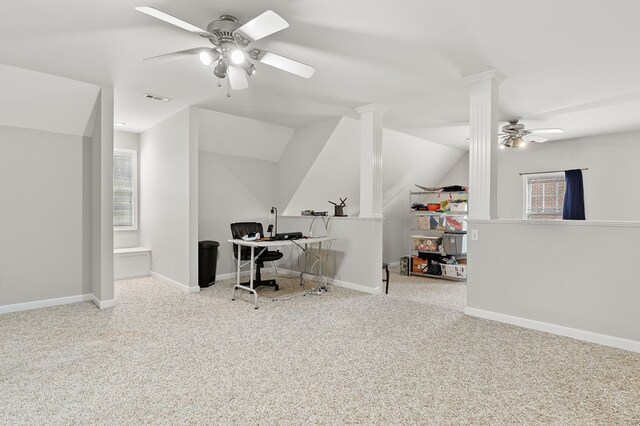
column 126, row 140
column 167, row 197
column 608, row 184
column 407, row 160
column 458, row 174
column 234, row 135
column 558, row 275
column 301, row 152
column 41, row 215
column 102, row 199
column 233, row 189
column 353, row 260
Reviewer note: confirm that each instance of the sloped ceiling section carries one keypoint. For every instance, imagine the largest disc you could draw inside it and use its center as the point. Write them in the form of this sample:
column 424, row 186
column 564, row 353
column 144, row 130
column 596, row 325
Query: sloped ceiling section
column 34, row 100
column 407, row 160
column 239, row 136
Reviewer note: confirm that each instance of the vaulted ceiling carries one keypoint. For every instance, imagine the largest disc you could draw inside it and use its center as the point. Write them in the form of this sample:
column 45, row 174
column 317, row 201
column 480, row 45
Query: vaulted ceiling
column 569, row 64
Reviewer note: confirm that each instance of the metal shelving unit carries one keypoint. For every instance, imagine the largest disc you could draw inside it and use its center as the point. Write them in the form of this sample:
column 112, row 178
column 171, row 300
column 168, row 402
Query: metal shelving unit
column 426, row 197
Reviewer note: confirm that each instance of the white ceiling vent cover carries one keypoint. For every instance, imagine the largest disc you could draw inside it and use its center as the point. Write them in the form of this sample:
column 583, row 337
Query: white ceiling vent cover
column 157, row 98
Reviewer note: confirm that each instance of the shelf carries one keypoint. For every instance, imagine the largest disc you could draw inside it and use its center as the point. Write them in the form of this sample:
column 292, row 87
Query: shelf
column 444, row 277
column 437, row 230
column 437, row 192
column 428, row 213
column 438, row 253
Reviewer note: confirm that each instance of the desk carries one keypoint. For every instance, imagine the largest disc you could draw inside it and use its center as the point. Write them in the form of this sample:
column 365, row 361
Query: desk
column 264, row 245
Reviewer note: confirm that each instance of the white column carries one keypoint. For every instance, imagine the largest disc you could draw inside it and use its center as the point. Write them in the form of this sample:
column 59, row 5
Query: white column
column 483, row 120
column 371, row 160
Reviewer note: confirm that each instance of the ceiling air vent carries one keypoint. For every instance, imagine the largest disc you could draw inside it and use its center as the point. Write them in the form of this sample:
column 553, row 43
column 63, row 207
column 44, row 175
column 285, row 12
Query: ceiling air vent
column 157, row 98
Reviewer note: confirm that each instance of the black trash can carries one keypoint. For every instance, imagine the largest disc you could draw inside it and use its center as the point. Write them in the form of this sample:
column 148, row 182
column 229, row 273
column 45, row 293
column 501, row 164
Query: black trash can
column 207, row 261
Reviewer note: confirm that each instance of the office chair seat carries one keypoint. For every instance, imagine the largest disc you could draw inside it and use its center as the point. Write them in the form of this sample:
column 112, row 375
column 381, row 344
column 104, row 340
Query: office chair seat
column 238, row 230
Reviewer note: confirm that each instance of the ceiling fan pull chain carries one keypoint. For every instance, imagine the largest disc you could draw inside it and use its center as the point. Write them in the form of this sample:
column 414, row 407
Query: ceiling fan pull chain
column 219, row 84
column 228, row 87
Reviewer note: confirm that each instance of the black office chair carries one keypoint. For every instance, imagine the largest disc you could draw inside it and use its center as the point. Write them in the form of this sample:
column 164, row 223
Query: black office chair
column 240, row 229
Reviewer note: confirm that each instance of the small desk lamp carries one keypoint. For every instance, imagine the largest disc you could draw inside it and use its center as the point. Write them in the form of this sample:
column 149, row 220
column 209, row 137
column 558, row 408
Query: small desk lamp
column 275, row 211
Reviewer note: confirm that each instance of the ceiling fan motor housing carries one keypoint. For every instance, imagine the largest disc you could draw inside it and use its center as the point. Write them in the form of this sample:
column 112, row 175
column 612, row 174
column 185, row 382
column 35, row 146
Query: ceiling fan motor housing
column 223, row 29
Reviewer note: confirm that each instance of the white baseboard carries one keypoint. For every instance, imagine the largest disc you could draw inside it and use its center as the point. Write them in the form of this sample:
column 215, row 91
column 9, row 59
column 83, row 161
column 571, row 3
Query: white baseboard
column 126, row 277
column 354, row 286
column 176, row 284
column 37, row 304
column 587, row 336
column 102, row 304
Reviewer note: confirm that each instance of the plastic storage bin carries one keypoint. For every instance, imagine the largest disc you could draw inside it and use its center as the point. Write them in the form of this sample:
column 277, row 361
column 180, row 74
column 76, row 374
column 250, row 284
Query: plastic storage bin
column 454, row 224
column 454, row 243
column 460, row 207
column 426, row 244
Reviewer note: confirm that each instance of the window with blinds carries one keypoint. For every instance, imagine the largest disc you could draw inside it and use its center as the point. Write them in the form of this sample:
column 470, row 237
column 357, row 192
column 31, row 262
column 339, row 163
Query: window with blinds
column 124, row 189
column 544, row 196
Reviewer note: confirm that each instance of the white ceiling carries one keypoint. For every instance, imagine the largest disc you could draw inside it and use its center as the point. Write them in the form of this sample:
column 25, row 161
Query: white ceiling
column 569, row 64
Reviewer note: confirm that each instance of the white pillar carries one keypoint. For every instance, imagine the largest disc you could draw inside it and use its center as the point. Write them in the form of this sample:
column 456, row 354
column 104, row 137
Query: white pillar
column 371, row 160
column 483, row 123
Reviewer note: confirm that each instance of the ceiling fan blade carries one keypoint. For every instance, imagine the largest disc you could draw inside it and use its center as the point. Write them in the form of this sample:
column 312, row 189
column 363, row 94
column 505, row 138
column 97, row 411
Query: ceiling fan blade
column 181, row 54
column 158, row 14
column 553, row 131
column 237, row 78
column 285, row 64
column 263, row 25
column 534, row 138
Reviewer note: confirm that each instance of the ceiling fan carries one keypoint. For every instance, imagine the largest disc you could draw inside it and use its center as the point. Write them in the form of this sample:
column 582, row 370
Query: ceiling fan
column 231, row 51
column 514, row 135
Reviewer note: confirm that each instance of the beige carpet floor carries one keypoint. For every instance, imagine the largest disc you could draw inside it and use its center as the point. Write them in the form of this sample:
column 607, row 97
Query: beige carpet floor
column 412, row 357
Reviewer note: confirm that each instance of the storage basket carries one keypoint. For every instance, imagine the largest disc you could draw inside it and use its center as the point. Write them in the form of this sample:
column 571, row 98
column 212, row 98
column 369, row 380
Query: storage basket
column 455, row 271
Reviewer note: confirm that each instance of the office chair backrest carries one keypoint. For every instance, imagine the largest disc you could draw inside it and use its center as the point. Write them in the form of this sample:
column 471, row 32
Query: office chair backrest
column 239, row 230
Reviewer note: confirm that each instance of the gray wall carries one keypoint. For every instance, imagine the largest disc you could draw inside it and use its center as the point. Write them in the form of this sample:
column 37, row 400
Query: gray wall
column 233, row 189
column 41, row 215
column 561, row 273
column 609, row 184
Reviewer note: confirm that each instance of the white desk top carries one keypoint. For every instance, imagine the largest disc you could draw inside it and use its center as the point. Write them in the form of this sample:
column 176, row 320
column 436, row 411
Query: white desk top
column 301, row 241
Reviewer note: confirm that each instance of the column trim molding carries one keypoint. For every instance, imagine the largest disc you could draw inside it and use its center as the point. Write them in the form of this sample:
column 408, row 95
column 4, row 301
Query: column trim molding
column 493, row 74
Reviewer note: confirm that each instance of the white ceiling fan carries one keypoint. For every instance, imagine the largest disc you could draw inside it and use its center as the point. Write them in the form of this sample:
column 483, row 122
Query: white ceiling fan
column 231, row 51
column 514, row 135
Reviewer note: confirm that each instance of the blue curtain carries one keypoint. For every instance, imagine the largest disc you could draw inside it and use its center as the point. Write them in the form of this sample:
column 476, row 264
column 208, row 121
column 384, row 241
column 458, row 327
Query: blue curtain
column 573, row 196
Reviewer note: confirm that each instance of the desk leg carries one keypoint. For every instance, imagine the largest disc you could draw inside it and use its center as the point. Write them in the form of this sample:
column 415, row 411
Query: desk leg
column 253, row 263
column 238, row 261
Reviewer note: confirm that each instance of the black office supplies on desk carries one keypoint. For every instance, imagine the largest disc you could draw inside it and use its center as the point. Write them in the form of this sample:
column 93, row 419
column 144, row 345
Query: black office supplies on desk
column 288, row 236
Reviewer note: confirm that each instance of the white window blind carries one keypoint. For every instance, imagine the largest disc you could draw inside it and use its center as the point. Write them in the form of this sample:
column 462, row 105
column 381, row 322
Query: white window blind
column 124, row 188
column 545, row 196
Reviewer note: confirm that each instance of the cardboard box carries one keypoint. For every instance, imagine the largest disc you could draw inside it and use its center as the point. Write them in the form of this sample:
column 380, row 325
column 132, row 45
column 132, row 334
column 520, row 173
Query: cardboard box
column 418, row 265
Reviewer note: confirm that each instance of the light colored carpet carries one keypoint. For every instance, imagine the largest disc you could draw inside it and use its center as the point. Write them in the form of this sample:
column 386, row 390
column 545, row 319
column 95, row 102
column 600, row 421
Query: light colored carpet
column 412, row 357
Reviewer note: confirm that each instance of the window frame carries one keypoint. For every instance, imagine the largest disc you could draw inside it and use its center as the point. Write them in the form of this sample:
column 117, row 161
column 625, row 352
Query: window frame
column 134, row 199
column 527, row 196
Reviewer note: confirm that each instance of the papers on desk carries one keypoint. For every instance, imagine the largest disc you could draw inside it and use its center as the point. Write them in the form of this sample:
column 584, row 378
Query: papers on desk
column 251, row 237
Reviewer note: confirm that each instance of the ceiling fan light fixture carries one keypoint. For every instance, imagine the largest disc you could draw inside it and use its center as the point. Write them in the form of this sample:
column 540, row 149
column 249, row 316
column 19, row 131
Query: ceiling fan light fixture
column 221, row 69
column 249, row 68
column 205, row 58
column 237, row 57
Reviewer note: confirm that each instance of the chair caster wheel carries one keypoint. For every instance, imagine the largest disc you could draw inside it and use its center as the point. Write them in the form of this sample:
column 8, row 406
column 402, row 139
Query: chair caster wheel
column 233, row 300
column 276, row 289
column 255, row 308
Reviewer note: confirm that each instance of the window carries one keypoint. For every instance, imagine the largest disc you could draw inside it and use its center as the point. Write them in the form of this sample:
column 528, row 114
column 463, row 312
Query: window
column 544, row 196
column 125, row 189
